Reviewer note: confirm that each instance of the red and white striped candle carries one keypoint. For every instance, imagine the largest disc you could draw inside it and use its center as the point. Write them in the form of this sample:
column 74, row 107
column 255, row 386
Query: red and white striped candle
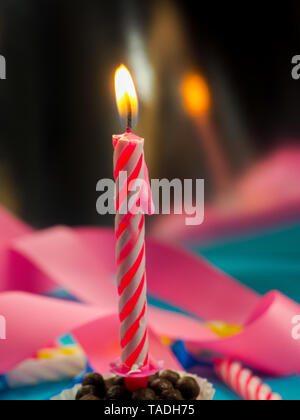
column 129, row 169
column 243, row 381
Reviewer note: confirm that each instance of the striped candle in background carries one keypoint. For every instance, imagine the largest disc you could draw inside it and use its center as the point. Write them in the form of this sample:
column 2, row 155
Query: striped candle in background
column 244, row 382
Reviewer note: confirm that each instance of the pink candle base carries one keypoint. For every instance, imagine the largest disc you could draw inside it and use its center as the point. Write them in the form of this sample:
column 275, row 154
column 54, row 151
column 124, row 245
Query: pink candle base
column 138, row 379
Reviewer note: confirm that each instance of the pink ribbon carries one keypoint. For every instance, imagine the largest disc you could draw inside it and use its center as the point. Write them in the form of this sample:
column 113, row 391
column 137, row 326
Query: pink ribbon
column 82, row 261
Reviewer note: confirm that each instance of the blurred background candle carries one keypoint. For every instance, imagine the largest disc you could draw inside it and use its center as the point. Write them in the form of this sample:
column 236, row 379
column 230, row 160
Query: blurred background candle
column 197, row 102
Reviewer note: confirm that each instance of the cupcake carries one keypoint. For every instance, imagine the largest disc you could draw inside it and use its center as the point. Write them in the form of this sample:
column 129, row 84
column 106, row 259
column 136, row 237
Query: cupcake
column 168, row 385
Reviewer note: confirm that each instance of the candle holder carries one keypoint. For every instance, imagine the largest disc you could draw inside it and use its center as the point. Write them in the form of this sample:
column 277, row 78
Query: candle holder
column 136, row 377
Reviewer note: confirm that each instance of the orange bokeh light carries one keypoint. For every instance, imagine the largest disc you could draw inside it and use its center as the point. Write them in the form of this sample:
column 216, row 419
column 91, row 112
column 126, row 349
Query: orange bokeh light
column 196, row 95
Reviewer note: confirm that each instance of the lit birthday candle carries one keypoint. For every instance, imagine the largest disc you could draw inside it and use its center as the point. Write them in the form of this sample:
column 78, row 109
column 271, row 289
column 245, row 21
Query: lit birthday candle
column 130, row 170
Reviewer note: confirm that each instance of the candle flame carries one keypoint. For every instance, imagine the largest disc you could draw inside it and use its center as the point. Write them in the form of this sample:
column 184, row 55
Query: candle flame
column 196, row 95
column 126, row 95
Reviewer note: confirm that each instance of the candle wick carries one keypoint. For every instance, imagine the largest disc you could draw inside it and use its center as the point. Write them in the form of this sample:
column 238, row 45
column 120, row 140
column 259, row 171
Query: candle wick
column 129, row 114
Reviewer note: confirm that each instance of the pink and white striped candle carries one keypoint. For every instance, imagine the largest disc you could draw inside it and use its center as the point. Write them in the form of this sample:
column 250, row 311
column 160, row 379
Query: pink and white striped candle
column 129, row 166
column 243, row 382
column 133, row 201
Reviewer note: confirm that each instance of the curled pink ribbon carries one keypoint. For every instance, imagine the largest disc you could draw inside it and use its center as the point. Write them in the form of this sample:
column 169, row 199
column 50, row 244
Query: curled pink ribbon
column 82, row 261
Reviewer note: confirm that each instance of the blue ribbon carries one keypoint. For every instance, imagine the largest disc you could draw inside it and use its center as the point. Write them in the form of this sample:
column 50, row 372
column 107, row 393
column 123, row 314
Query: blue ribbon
column 3, row 383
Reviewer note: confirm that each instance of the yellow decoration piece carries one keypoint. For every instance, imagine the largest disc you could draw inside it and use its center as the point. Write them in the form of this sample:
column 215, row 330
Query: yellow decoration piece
column 68, row 351
column 166, row 341
column 47, row 354
column 223, row 330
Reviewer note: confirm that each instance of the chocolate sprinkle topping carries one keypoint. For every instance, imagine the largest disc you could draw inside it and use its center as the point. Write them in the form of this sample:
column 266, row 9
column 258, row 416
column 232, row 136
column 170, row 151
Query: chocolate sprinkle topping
column 168, row 385
column 86, row 390
column 188, row 387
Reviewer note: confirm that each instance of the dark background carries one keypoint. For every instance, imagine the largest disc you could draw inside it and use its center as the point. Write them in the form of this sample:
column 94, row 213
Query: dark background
column 57, row 110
